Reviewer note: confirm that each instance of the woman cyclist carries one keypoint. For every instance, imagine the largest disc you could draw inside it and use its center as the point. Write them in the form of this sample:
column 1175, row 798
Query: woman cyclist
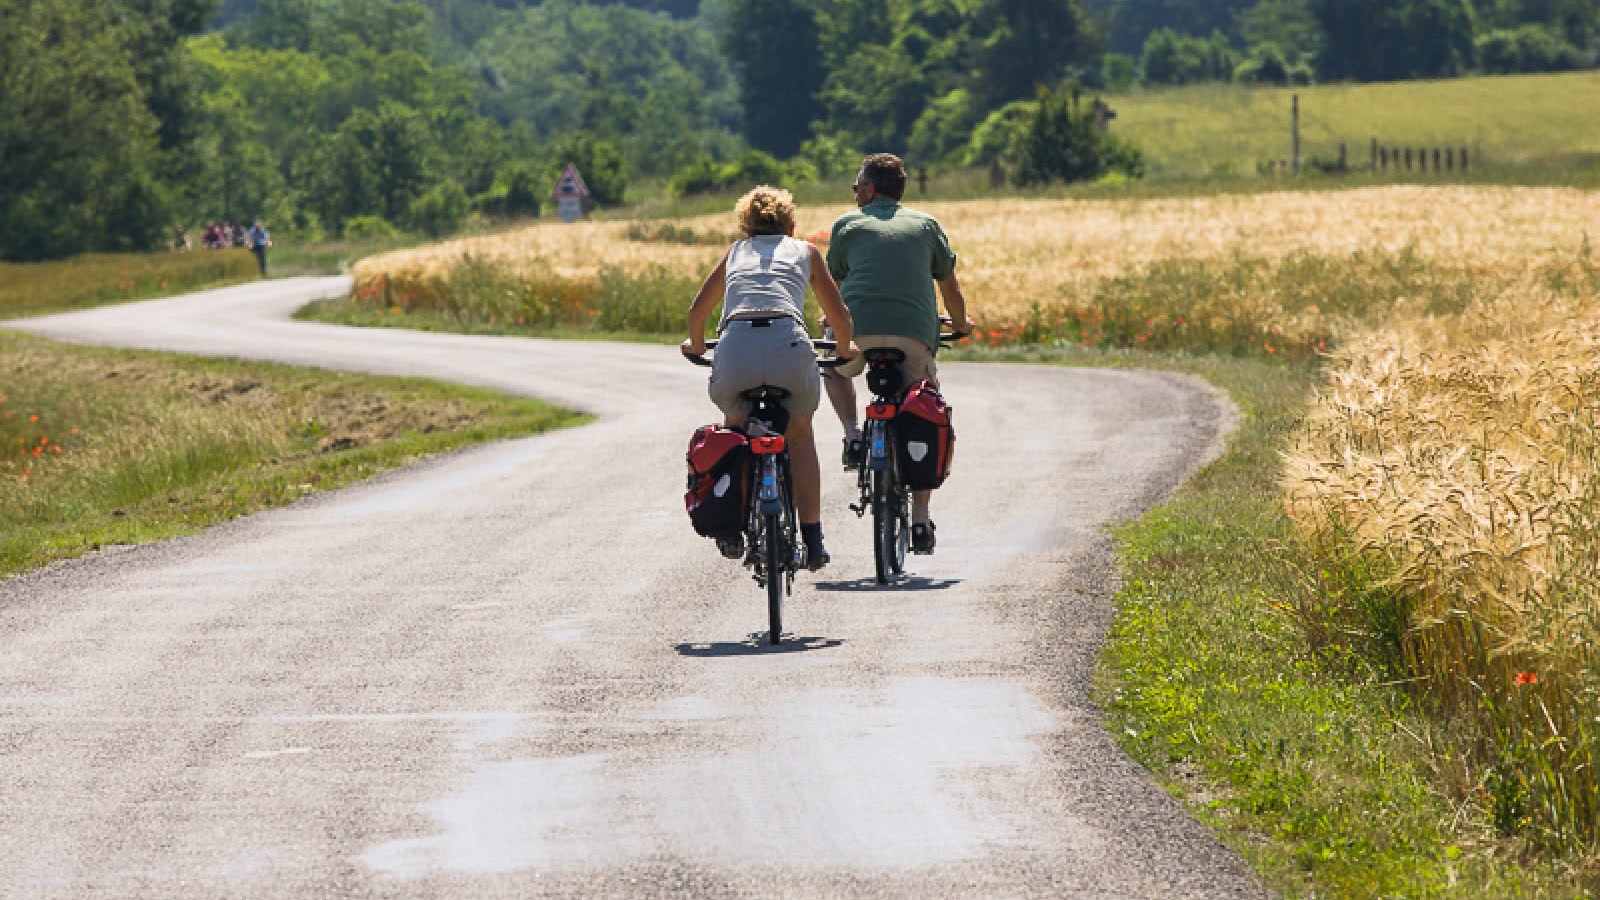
column 763, row 339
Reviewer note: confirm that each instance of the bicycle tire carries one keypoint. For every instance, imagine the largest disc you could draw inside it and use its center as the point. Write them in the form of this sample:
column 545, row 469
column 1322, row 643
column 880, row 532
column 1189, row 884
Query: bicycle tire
column 777, row 576
column 902, row 530
column 883, row 528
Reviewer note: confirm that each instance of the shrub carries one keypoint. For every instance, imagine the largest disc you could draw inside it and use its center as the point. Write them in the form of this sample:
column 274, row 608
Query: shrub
column 1119, row 71
column 998, row 133
column 440, row 209
column 1064, row 141
column 1530, row 48
column 360, row 228
column 706, row 176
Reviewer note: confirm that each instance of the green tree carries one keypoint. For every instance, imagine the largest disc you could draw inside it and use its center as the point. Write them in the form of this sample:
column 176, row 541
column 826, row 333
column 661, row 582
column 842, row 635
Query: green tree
column 874, row 99
column 1021, row 44
column 1133, row 21
column 1577, row 22
column 1526, row 48
column 1393, row 40
column 377, row 162
column 944, row 126
column 82, row 163
column 1284, row 25
column 658, row 88
column 775, row 51
column 1173, row 58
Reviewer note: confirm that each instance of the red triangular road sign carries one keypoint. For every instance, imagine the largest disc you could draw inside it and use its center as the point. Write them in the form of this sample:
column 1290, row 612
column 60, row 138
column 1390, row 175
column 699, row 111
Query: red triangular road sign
column 570, row 184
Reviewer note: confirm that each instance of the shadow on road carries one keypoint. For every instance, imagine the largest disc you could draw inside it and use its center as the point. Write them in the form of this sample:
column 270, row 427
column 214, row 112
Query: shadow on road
column 756, row 645
column 909, row 583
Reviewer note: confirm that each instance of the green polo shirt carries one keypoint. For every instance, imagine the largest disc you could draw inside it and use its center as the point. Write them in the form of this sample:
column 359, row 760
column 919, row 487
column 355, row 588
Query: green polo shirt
column 886, row 258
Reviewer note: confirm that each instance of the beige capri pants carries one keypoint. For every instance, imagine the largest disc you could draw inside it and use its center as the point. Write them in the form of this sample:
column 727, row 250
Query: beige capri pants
column 776, row 352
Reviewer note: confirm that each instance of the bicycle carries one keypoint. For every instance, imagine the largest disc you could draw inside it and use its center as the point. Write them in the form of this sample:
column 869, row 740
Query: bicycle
column 883, row 491
column 773, row 551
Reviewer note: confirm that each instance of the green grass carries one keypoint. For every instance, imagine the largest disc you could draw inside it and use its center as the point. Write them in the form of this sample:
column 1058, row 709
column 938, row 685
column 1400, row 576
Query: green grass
column 1526, row 121
column 95, row 279
column 105, row 447
column 1299, row 742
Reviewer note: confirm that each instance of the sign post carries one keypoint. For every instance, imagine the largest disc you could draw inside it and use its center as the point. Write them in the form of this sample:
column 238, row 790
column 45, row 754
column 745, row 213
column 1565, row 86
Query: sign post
column 570, row 193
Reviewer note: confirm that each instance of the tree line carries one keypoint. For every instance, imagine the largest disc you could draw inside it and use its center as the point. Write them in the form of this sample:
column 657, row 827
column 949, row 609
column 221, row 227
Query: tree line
column 122, row 120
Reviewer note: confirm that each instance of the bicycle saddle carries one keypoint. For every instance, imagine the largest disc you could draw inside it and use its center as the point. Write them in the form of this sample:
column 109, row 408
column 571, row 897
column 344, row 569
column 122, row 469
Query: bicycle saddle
column 884, row 376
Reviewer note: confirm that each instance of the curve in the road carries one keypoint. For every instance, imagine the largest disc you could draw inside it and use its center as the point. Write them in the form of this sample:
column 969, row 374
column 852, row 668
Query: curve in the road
column 514, row 671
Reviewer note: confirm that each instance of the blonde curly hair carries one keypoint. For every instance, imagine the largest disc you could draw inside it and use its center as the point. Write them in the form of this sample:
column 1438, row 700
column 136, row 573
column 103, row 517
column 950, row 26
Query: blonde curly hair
column 766, row 210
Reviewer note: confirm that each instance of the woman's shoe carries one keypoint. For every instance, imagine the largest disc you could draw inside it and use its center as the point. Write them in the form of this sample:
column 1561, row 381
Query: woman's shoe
column 922, row 538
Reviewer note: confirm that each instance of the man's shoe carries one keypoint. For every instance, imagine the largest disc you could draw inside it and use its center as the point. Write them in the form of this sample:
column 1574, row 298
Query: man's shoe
column 922, row 539
column 855, row 453
column 731, row 546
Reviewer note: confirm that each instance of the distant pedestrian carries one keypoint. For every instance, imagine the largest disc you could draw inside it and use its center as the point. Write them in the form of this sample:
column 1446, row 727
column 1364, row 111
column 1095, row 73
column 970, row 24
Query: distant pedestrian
column 260, row 240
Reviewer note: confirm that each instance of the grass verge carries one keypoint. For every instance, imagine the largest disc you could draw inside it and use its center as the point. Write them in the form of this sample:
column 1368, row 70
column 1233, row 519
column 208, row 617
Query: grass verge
column 1311, row 758
column 110, row 447
column 96, row 279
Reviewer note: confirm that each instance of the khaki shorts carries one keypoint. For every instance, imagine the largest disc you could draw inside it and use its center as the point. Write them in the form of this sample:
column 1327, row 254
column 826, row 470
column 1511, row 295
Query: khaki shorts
column 919, row 364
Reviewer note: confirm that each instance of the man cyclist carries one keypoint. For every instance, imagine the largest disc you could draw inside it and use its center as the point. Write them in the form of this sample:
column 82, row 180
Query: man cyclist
column 887, row 259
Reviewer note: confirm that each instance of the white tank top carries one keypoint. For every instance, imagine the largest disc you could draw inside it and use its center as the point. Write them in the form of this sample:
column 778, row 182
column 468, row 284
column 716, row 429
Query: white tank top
column 767, row 276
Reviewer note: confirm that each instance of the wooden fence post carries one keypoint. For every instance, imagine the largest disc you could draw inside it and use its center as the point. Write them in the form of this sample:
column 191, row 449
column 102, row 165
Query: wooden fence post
column 922, row 180
column 1464, row 159
column 1372, row 156
column 1344, row 159
column 1436, row 160
column 1408, row 159
column 1296, row 127
column 1449, row 159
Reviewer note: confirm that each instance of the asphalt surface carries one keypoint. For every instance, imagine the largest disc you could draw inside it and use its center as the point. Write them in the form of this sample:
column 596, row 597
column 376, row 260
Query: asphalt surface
column 514, row 671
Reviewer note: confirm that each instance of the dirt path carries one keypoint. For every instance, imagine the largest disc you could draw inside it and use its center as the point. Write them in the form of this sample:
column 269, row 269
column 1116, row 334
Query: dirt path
column 515, row 672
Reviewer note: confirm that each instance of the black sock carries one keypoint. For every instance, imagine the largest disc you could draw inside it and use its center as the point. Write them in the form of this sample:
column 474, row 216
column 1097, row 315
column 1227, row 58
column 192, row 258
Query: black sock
column 811, row 533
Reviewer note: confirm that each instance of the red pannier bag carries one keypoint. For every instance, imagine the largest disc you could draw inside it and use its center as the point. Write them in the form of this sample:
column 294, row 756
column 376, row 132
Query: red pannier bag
column 925, row 441
column 719, row 479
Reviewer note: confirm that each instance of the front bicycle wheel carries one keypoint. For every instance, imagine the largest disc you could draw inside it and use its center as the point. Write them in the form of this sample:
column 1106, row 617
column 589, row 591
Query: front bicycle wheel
column 776, row 562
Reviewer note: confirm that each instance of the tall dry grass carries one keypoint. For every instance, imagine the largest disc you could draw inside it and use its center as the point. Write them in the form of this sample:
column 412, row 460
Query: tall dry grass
column 1464, row 451
column 96, row 278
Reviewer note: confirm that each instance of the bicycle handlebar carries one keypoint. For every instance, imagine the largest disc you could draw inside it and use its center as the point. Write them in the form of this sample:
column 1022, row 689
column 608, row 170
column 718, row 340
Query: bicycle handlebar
column 700, row 360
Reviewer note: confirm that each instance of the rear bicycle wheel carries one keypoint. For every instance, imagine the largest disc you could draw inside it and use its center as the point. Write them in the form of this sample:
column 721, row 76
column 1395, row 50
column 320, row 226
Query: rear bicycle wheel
column 902, row 536
column 885, row 528
column 776, row 562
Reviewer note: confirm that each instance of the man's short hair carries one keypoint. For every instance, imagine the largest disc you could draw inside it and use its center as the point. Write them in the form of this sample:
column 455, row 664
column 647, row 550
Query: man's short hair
column 886, row 173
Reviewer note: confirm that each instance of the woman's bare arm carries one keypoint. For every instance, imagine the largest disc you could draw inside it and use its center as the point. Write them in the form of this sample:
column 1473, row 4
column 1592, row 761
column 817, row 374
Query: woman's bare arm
column 709, row 295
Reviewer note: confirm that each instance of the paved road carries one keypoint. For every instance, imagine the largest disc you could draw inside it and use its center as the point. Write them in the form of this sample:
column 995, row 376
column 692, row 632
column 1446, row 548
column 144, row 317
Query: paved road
column 515, row 672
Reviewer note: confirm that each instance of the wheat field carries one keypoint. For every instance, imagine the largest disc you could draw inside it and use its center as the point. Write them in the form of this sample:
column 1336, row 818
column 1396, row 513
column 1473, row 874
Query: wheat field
column 1017, row 252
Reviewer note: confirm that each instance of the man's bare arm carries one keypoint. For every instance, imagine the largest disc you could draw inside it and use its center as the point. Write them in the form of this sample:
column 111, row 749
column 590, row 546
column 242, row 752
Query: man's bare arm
column 955, row 303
